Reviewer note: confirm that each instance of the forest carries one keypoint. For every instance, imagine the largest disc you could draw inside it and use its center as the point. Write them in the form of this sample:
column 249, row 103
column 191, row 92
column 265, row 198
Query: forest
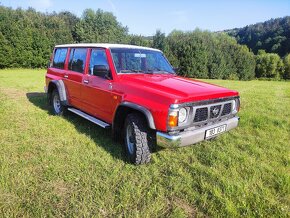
column 273, row 36
column 27, row 38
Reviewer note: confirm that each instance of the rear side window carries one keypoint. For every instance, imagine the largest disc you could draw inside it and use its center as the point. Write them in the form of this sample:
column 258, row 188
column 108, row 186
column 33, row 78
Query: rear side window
column 59, row 58
column 77, row 59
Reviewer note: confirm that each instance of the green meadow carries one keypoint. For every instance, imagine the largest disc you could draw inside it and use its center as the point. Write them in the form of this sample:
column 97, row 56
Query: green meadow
column 68, row 167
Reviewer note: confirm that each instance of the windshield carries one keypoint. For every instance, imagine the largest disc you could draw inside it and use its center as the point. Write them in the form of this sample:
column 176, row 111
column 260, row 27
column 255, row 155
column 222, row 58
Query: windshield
column 128, row 60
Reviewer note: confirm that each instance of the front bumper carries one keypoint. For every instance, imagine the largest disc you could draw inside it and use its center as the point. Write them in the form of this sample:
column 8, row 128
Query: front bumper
column 192, row 136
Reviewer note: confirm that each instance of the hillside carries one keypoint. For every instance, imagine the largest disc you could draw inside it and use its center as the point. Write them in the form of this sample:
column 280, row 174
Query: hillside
column 273, row 36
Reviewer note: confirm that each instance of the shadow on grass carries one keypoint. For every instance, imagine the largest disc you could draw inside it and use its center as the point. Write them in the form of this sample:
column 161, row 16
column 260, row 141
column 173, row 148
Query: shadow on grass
column 99, row 135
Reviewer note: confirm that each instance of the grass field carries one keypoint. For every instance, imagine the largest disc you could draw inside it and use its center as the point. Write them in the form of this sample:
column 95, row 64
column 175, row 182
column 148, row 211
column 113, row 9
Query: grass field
column 68, row 167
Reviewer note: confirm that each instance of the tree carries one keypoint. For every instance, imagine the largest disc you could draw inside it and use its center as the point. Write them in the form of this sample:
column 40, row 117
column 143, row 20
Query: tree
column 287, row 67
column 204, row 54
column 70, row 20
column 99, row 26
column 159, row 40
column 138, row 40
column 28, row 37
column 245, row 63
column 268, row 65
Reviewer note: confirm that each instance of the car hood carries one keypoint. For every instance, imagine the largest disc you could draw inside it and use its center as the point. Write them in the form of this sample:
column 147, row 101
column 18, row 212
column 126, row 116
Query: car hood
column 179, row 88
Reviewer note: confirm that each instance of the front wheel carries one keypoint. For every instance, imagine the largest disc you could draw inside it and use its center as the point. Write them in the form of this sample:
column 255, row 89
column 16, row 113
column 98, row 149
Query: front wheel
column 137, row 138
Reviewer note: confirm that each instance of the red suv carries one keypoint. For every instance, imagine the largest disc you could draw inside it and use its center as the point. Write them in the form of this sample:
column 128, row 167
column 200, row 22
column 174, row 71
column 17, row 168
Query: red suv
column 135, row 92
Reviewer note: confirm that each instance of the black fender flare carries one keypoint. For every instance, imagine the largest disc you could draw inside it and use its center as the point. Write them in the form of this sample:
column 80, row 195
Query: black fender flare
column 141, row 109
column 59, row 84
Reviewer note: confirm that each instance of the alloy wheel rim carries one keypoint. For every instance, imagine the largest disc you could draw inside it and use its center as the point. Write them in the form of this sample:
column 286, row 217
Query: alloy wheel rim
column 129, row 139
column 56, row 104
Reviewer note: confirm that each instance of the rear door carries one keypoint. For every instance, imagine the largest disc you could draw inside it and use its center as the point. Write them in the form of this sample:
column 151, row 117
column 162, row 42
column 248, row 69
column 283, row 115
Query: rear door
column 57, row 66
column 73, row 77
column 97, row 91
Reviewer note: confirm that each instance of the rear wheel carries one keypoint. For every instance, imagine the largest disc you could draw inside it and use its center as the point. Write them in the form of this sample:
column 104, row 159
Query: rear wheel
column 137, row 139
column 57, row 107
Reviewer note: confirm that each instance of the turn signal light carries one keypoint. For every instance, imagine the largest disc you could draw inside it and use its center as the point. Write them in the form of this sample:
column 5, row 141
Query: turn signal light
column 239, row 104
column 173, row 119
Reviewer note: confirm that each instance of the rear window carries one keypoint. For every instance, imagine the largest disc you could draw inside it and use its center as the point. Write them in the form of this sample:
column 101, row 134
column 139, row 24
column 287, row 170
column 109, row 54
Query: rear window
column 59, row 58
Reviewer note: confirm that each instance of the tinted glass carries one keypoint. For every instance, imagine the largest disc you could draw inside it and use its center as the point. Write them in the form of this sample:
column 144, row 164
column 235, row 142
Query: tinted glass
column 59, row 58
column 140, row 61
column 98, row 57
column 77, row 59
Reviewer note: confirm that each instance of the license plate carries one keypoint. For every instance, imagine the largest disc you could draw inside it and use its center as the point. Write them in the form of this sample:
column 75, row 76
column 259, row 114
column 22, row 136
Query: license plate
column 215, row 131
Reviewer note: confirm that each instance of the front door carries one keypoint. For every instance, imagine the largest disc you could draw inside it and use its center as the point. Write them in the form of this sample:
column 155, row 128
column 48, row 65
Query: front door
column 96, row 90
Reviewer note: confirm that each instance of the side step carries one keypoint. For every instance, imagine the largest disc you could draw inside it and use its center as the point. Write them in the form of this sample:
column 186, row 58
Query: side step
column 90, row 118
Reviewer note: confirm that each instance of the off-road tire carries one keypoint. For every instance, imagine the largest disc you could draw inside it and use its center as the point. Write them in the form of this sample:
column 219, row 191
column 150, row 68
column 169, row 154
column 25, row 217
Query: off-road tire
column 57, row 107
column 138, row 145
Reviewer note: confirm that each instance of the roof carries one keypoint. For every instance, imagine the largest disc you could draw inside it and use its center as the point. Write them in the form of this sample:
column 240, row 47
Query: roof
column 105, row 45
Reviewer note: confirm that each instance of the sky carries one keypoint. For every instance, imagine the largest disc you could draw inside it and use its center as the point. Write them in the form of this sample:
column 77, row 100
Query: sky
column 144, row 17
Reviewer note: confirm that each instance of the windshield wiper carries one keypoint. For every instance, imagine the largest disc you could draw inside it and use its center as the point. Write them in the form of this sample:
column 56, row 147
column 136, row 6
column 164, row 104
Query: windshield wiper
column 130, row 71
column 152, row 71
column 149, row 71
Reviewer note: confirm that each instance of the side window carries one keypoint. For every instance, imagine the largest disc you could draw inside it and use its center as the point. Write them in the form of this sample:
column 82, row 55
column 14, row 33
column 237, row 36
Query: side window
column 98, row 57
column 77, row 59
column 59, row 58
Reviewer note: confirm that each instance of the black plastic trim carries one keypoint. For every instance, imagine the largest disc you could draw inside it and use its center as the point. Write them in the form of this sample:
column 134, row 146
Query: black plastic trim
column 143, row 110
column 61, row 90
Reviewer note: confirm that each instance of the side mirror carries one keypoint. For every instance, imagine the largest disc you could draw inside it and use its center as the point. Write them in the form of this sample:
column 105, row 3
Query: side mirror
column 101, row 71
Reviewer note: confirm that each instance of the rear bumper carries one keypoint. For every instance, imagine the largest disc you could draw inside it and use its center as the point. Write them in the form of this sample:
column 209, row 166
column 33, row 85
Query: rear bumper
column 192, row 136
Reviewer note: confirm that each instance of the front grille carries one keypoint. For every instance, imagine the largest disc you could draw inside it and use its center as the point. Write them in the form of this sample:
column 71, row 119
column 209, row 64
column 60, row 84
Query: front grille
column 215, row 111
column 212, row 111
column 227, row 109
column 207, row 112
column 201, row 114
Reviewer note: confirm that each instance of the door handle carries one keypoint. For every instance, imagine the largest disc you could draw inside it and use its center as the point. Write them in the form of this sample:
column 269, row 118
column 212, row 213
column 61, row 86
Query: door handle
column 86, row 81
column 65, row 76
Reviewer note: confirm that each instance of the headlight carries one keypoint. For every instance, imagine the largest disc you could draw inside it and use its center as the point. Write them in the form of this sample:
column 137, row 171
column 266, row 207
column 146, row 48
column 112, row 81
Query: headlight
column 182, row 115
column 236, row 105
